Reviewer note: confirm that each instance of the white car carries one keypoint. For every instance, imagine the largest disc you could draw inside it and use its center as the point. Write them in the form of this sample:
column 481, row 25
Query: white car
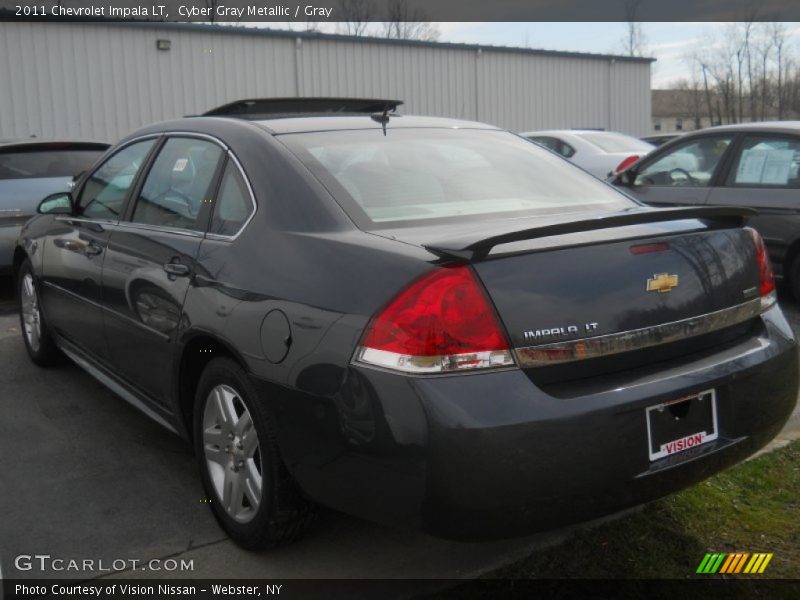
column 602, row 153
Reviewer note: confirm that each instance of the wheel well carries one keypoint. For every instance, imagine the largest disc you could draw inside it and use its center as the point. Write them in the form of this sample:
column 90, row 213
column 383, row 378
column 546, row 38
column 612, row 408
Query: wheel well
column 791, row 254
column 19, row 256
column 197, row 353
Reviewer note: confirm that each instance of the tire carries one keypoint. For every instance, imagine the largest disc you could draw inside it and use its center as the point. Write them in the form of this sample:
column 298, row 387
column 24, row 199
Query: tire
column 38, row 342
column 226, row 415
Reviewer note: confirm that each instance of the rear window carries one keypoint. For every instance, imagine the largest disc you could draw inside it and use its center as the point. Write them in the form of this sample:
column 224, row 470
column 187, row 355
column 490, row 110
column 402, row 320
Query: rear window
column 413, row 175
column 615, row 142
column 36, row 163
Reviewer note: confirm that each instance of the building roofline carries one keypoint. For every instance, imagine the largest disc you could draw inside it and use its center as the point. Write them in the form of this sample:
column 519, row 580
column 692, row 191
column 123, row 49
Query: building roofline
column 315, row 35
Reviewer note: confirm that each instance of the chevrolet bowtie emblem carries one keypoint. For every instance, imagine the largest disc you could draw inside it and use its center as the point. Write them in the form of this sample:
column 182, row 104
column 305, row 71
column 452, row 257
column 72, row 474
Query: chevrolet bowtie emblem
column 662, row 283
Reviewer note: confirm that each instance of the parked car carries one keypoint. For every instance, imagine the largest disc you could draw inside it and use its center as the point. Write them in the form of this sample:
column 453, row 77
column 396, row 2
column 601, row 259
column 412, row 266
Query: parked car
column 754, row 165
column 659, row 139
column 426, row 322
column 29, row 171
column 602, row 153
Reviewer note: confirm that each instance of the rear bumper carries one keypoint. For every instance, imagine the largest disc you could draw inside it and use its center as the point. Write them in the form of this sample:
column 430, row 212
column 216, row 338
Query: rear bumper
column 490, row 455
column 590, row 458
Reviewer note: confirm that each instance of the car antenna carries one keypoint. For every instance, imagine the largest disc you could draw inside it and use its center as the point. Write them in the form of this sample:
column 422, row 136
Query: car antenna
column 382, row 118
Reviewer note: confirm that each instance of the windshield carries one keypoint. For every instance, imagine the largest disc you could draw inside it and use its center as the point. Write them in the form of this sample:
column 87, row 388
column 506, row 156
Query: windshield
column 413, row 175
column 30, row 164
column 615, row 142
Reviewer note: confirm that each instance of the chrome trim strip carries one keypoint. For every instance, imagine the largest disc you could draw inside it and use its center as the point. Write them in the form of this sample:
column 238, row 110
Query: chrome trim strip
column 195, row 134
column 157, row 228
column 69, row 219
column 187, row 232
column 156, row 134
column 638, row 339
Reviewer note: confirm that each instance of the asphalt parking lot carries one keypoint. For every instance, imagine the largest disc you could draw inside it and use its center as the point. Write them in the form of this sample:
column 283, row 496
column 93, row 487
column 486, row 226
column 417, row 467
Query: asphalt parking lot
column 86, row 476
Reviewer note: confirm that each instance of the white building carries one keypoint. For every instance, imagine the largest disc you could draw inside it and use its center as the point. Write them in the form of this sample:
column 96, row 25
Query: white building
column 103, row 80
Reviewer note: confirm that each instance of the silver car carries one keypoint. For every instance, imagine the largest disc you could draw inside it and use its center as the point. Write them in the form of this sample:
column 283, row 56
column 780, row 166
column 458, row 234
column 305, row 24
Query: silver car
column 602, row 153
column 31, row 170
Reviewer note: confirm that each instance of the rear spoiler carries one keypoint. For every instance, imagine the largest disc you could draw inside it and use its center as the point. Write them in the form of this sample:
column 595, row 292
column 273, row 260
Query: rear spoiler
column 261, row 108
column 723, row 216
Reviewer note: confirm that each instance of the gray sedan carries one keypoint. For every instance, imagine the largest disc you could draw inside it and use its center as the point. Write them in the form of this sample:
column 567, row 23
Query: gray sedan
column 29, row 171
column 756, row 165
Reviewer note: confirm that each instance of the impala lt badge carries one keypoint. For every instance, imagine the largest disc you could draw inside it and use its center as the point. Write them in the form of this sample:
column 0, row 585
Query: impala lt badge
column 558, row 332
column 662, row 283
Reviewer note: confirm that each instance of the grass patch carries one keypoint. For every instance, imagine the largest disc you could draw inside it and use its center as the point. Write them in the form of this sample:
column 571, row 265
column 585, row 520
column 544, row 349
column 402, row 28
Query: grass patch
column 753, row 507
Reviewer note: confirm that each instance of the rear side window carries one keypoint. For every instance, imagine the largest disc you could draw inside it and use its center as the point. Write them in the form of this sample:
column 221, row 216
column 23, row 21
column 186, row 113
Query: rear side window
column 233, row 207
column 767, row 161
column 105, row 190
column 413, row 175
column 37, row 163
column 178, row 184
column 554, row 144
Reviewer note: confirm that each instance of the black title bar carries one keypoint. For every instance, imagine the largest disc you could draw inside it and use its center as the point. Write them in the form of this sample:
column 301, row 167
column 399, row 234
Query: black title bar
column 288, row 11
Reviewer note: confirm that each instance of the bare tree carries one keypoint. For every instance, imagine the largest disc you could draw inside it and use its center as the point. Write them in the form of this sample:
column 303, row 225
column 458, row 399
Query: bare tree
column 778, row 35
column 738, row 50
column 633, row 43
column 763, row 50
column 750, row 73
column 702, row 65
column 356, row 15
column 406, row 23
column 747, row 40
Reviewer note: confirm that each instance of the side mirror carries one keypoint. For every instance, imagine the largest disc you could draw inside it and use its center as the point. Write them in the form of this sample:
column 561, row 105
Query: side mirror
column 56, row 204
column 627, row 178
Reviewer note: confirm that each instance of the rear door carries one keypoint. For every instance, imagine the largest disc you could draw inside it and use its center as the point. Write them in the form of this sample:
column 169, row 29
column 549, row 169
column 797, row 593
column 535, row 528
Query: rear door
column 75, row 249
column 151, row 260
column 765, row 174
column 682, row 174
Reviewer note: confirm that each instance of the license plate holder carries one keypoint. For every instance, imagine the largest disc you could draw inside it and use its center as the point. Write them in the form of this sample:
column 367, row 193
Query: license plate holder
column 678, row 425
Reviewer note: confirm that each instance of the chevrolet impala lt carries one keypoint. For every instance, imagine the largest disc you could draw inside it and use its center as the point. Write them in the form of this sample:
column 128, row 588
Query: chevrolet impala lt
column 425, row 322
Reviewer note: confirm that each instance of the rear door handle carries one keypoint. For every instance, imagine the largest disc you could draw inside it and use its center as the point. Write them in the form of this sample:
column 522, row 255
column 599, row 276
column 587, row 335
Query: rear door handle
column 176, row 269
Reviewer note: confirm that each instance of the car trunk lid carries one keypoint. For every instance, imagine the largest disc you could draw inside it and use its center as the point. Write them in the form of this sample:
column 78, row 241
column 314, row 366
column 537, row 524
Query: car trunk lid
column 586, row 287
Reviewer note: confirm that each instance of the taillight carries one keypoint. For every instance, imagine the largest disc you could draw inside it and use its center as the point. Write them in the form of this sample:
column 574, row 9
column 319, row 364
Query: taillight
column 766, row 278
column 441, row 322
column 626, row 163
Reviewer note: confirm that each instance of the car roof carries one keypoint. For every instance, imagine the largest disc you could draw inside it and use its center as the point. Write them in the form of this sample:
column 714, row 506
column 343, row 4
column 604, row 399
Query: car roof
column 573, row 132
column 787, row 126
column 658, row 136
column 340, row 122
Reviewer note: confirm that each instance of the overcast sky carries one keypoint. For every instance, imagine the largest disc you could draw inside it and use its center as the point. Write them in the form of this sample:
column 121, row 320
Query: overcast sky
column 670, row 43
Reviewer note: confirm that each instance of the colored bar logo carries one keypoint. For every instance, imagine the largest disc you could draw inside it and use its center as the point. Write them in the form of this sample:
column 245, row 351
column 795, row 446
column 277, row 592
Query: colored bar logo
column 734, row 563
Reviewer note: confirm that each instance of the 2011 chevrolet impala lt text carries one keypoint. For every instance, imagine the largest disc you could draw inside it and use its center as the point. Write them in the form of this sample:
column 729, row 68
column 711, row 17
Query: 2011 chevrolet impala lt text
column 426, row 322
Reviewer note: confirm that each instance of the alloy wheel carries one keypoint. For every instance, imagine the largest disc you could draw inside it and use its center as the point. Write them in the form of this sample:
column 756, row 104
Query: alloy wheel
column 232, row 453
column 31, row 317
